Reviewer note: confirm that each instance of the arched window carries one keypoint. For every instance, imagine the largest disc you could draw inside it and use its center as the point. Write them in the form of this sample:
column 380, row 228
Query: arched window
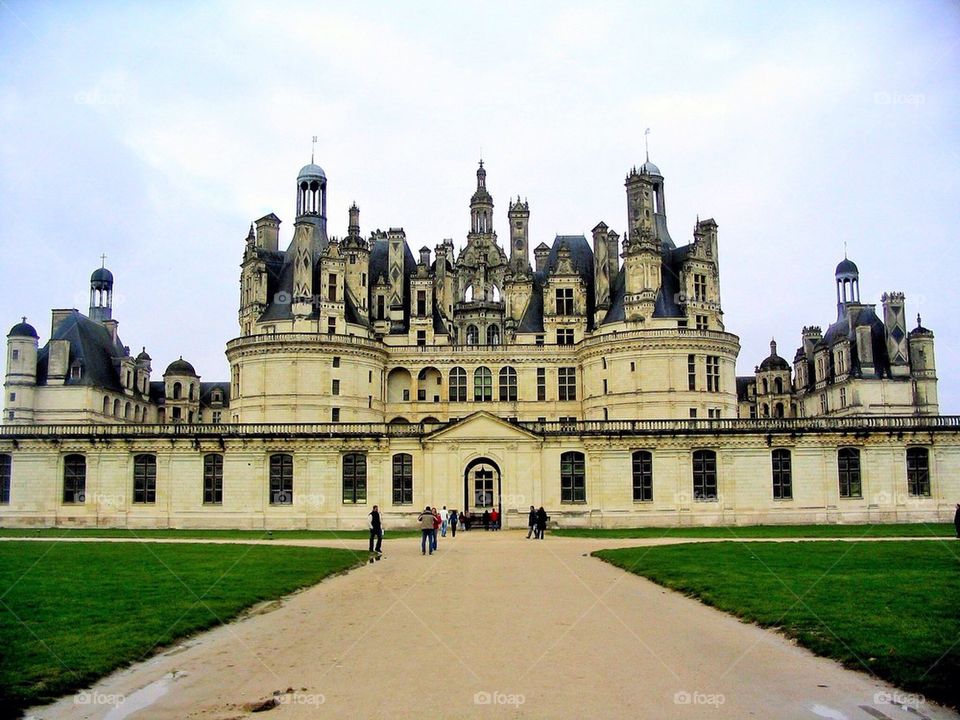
column 848, row 469
column 213, row 479
column 136, row 414
column 482, row 385
column 705, row 476
column 106, row 405
column 458, row 385
column 573, row 483
column 177, row 390
column 918, row 472
column 116, row 407
column 191, row 391
column 765, row 386
column 493, row 335
column 778, row 385
column 508, row 384
column 281, row 479
column 765, row 410
column 473, row 335
column 6, row 472
column 128, row 411
column 354, row 479
column 145, row 478
column 778, row 410
column 782, row 474
column 402, row 479
column 642, row 476
column 74, row 478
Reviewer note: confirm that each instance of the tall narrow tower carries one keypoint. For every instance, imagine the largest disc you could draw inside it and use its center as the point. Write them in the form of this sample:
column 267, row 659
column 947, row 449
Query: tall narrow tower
column 519, row 215
column 481, row 206
column 101, row 295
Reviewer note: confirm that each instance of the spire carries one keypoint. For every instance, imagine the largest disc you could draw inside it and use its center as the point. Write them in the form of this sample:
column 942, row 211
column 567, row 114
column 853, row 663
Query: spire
column 313, row 149
column 646, row 142
column 481, row 177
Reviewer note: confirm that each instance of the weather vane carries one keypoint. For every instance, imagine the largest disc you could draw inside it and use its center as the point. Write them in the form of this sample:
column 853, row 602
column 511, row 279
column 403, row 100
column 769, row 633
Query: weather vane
column 103, row 261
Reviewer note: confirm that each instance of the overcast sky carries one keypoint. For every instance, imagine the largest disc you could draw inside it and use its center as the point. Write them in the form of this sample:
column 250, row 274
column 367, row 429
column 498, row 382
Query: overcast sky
column 156, row 133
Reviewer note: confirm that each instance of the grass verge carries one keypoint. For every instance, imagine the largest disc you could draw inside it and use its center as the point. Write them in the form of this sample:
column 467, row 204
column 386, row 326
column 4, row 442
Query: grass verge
column 134, row 533
column 770, row 531
column 72, row 612
column 889, row 608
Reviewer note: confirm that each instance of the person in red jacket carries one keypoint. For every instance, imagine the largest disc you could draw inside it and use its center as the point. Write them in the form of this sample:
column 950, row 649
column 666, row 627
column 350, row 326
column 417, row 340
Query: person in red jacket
column 436, row 526
column 494, row 519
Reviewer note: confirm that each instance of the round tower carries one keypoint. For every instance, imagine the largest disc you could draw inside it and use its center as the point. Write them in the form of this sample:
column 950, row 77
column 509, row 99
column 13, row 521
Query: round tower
column 847, row 276
column 21, row 378
column 101, row 295
column 923, row 370
column 181, row 386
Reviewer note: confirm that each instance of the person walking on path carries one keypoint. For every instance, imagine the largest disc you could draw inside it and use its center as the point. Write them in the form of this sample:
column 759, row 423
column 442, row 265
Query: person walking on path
column 426, row 530
column 436, row 528
column 444, row 521
column 494, row 519
column 376, row 530
column 454, row 519
column 956, row 520
column 465, row 520
column 541, row 522
column 532, row 523
column 486, row 519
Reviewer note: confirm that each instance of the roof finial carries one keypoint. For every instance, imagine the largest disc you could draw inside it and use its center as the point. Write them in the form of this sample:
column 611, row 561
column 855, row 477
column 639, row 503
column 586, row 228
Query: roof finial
column 844, row 249
column 103, row 261
column 919, row 324
column 313, row 149
column 646, row 142
column 24, row 319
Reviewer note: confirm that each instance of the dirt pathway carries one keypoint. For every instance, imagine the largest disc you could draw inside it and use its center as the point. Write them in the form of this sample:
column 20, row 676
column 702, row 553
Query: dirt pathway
column 492, row 625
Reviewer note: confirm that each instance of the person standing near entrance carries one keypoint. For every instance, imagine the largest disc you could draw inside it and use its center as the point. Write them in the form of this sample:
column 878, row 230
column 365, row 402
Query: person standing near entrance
column 495, row 519
column 444, row 521
column 425, row 519
column 532, row 523
column 454, row 519
column 486, row 519
column 376, row 530
column 541, row 522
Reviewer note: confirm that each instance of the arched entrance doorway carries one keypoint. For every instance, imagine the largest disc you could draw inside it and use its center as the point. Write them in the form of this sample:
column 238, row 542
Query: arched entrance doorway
column 481, row 487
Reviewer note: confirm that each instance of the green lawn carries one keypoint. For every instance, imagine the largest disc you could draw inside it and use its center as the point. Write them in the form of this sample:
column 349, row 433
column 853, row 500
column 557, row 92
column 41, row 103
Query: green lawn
column 888, row 608
column 203, row 534
column 772, row 531
column 72, row 612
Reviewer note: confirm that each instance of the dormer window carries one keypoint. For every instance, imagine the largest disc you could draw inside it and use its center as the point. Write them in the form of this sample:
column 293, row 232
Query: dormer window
column 76, row 371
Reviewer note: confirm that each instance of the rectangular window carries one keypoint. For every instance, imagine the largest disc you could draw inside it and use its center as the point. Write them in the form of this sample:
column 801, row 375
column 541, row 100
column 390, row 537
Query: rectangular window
column 13, row 396
column 541, row 384
column 823, row 403
column 642, row 476
column 145, row 479
column 918, row 472
column 332, row 288
column 848, row 468
column 74, row 478
column 691, row 372
column 700, row 288
column 380, row 307
column 705, row 476
column 604, row 386
column 402, row 479
column 335, row 390
column 713, row 373
column 693, row 413
column 213, row 479
column 406, row 394
column 6, row 468
column 421, row 303
column 539, row 340
column 782, row 475
column 354, row 479
column 565, row 337
column 334, row 414
column 702, row 322
column 216, row 417
column 15, row 355
column 281, row 479
column 573, row 487
column 564, row 301
column 331, row 326
column 843, row 397
column 567, row 383
column 421, row 337
column 336, row 361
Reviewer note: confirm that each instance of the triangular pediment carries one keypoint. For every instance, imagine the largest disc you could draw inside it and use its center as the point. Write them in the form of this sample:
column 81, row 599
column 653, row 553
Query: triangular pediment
column 483, row 426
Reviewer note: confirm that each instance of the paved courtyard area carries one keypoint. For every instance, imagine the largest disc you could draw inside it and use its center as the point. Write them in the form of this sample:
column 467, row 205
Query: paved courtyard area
column 492, row 625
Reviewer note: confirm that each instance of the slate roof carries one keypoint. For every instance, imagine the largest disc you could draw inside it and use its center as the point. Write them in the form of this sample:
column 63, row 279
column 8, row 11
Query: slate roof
column 92, row 346
column 379, row 262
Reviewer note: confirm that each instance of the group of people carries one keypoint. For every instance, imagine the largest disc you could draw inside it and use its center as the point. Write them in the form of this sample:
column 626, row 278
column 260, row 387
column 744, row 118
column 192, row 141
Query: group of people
column 537, row 523
column 434, row 524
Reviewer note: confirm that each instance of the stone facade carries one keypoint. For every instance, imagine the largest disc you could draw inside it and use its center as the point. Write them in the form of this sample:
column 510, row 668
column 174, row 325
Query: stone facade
column 363, row 375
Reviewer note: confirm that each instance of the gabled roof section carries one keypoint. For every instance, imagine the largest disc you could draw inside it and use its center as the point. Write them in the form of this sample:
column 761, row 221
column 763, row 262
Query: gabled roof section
column 92, row 346
column 483, row 425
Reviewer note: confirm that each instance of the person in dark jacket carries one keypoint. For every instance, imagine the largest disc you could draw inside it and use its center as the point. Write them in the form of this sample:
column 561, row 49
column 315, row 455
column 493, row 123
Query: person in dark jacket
column 541, row 522
column 376, row 530
column 956, row 520
column 454, row 521
column 425, row 520
column 486, row 519
column 532, row 523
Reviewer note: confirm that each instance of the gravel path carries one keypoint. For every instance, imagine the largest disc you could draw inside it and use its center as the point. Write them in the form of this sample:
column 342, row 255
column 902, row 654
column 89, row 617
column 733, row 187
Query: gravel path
column 492, row 625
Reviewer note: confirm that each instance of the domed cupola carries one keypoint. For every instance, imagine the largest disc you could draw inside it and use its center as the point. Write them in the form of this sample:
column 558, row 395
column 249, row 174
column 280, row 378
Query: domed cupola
column 481, row 205
column 312, row 191
column 23, row 329
column 101, row 294
column 774, row 361
column 180, row 367
column 848, row 285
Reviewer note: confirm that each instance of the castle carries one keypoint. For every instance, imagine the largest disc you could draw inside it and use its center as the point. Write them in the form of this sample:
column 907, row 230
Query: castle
column 373, row 375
